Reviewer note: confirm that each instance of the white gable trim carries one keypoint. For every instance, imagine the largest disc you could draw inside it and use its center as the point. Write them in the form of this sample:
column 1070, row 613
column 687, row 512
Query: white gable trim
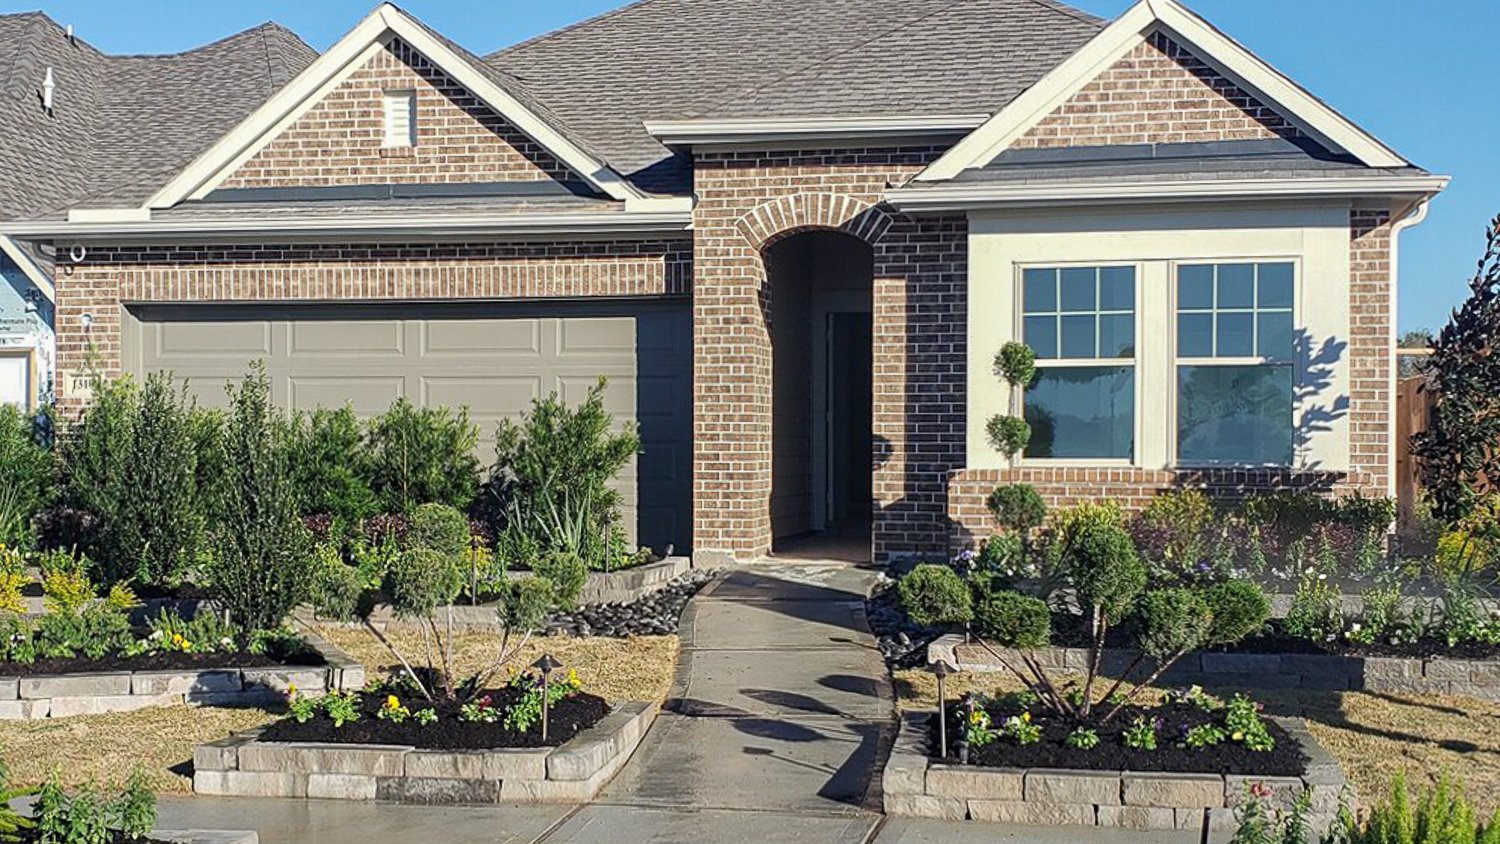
column 352, row 52
column 35, row 274
column 1237, row 64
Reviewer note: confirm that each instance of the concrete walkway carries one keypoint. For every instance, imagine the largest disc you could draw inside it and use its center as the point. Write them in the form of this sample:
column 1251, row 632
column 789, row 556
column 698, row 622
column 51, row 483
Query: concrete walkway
column 776, row 730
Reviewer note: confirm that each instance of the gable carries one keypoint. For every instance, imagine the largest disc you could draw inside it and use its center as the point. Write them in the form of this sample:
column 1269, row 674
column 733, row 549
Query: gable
column 1158, row 93
column 340, row 139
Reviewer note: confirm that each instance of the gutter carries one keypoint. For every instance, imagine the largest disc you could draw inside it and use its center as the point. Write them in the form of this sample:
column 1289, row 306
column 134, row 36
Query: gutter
column 974, row 196
column 734, row 132
column 1412, row 217
column 359, row 227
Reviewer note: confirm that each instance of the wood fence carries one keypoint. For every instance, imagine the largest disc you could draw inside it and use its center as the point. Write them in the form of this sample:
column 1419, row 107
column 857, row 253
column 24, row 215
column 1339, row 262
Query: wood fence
column 1413, row 409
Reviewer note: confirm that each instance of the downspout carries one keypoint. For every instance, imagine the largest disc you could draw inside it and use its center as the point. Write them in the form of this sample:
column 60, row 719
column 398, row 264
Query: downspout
column 1414, row 215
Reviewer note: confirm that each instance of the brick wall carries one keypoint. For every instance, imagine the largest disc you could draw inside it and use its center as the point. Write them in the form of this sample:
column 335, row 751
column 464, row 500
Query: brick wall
column 746, row 201
column 340, row 140
column 1158, row 94
column 270, row 273
column 1371, row 341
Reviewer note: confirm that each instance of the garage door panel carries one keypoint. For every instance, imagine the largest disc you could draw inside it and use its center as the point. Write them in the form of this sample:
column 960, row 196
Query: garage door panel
column 496, row 364
column 463, row 338
column 320, row 339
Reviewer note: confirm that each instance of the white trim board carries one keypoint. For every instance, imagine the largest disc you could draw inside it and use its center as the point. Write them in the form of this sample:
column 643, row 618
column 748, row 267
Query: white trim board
column 385, row 23
column 29, row 268
column 1115, row 41
column 736, row 132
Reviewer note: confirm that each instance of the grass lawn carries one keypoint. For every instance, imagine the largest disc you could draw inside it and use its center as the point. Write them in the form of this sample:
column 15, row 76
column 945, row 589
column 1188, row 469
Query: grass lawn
column 104, row 748
column 1374, row 736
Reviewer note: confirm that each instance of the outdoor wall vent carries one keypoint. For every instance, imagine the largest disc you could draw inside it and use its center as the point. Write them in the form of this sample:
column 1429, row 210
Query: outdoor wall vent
column 70, row 34
column 49, row 87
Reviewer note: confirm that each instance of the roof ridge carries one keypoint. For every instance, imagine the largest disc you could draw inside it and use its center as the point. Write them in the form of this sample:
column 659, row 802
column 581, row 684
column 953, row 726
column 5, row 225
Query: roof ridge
column 1070, row 11
column 258, row 29
column 554, row 33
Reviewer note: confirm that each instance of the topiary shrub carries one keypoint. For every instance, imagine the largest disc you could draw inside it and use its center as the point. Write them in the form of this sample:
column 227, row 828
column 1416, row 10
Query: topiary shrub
column 1008, row 435
column 566, row 572
column 421, row 580
column 1017, row 507
column 935, row 596
column 1107, row 576
column 440, row 528
column 1238, row 608
column 1173, row 622
column 1014, row 620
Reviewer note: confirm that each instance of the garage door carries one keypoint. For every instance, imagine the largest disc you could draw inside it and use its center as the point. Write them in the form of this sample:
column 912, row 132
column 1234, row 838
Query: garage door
column 493, row 359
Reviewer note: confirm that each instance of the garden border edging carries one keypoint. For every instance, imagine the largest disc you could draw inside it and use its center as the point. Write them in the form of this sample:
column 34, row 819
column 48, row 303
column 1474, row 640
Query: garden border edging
column 41, row 696
column 574, row 772
column 916, row 785
column 1409, row 675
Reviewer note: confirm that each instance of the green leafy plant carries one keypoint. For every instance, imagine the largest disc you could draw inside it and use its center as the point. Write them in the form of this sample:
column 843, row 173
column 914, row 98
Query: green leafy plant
column 1443, row 814
column 978, row 728
column 1017, row 507
column 1082, row 738
column 341, row 708
column 1243, row 722
column 134, row 811
column 1316, row 612
column 1204, row 735
column 27, row 474
column 1015, row 364
column 1257, row 823
column 567, row 573
column 419, row 455
column 935, row 595
column 440, row 528
column 1182, row 536
column 1013, row 620
column 1141, row 734
column 332, row 468
column 1021, row 729
column 1008, row 435
column 12, row 823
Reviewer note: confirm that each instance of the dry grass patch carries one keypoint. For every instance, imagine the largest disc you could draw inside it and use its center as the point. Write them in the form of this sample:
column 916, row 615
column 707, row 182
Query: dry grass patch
column 104, row 749
column 639, row 668
column 1374, row 736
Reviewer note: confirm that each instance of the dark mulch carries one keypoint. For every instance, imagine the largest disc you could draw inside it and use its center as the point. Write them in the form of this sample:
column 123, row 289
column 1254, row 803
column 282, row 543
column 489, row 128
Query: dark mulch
column 115, row 837
column 567, row 718
column 1287, row 759
column 156, row 662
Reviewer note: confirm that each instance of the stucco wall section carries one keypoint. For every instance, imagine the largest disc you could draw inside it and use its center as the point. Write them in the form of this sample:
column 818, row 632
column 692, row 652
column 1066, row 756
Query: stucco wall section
column 340, row 140
column 1158, row 94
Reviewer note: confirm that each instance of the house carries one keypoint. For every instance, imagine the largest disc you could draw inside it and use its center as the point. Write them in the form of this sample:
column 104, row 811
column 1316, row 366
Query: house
column 793, row 235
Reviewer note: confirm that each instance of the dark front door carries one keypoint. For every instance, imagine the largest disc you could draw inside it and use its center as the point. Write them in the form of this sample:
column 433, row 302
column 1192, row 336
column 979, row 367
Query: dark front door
column 849, row 420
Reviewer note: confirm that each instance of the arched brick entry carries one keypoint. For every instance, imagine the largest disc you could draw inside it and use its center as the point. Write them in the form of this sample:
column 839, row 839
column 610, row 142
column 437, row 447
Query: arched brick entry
column 746, row 201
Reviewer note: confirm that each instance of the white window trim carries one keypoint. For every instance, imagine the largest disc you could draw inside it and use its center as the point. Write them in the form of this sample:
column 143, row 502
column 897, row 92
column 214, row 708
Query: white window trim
column 1134, row 361
column 1298, row 362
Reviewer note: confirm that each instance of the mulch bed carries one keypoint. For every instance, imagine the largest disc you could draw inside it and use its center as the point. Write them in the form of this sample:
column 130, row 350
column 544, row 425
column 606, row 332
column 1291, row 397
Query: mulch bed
column 115, row 837
column 156, row 662
column 567, row 718
column 1286, row 759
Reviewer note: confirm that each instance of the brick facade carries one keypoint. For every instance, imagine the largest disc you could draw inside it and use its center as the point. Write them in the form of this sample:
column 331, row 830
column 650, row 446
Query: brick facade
column 1158, row 94
column 109, row 277
column 340, row 140
column 746, row 201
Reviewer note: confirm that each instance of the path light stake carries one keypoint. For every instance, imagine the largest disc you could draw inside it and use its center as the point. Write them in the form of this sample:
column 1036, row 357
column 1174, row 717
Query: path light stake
column 546, row 664
column 940, row 670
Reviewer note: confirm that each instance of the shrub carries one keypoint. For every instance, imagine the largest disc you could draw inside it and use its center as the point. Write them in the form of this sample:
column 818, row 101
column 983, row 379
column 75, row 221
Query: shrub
column 335, row 587
column 566, row 572
column 12, row 822
column 1316, row 612
column 1181, row 535
column 332, row 465
column 422, row 455
column 1015, row 363
column 935, row 595
column 1100, row 562
column 133, row 462
column 421, row 580
column 1442, row 815
column 1014, row 620
column 1173, row 622
column 262, row 562
column 1017, row 507
column 440, row 528
column 552, row 473
column 26, row 475
column 1238, row 608
column 1008, row 435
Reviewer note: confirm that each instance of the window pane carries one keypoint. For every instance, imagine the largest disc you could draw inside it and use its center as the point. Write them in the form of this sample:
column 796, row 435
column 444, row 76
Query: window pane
column 1236, row 286
column 1276, row 336
column 1117, row 289
column 1195, row 335
column 1195, row 287
column 1117, row 336
column 1040, row 294
column 1234, row 414
column 1082, row 412
column 1041, row 335
column 1078, row 289
column 1275, row 286
column 1078, row 336
column 1236, row 335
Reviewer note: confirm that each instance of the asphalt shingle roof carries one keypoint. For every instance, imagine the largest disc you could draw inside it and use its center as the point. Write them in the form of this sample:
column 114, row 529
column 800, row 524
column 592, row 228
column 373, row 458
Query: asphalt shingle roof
column 122, row 126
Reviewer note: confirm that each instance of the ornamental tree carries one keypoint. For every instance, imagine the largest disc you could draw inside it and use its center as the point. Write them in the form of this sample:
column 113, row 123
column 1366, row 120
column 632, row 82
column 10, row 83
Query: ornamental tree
column 1015, row 364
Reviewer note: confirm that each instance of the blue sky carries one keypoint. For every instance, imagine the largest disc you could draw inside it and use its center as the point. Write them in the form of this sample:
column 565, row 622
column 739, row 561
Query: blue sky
column 1419, row 75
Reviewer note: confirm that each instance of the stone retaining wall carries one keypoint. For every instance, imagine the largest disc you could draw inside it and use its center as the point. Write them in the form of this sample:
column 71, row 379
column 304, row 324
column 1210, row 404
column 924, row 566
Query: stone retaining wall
column 63, row 695
column 1472, row 678
column 243, row 766
column 916, row 785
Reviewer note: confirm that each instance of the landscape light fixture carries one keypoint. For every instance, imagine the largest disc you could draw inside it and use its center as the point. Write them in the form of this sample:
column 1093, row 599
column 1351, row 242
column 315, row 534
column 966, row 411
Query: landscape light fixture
column 546, row 664
column 941, row 670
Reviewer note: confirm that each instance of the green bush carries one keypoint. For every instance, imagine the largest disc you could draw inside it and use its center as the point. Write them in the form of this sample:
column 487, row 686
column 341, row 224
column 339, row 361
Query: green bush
column 27, row 475
column 1008, row 435
column 935, row 595
column 440, row 528
column 552, row 473
column 421, row 580
column 419, row 455
column 566, row 572
column 262, row 561
column 1017, row 507
column 1238, row 608
column 1442, row 816
column 525, row 603
column 1178, row 532
column 1173, row 621
column 1015, row 363
column 133, row 462
column 1316, row 612
column 1099, row 560
column 336, row 588
column 332, row 468
column 1014, row 620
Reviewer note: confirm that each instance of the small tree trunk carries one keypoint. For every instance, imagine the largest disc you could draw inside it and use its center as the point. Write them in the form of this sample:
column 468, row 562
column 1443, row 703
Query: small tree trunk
column 1160, row 669
column 380, row 637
